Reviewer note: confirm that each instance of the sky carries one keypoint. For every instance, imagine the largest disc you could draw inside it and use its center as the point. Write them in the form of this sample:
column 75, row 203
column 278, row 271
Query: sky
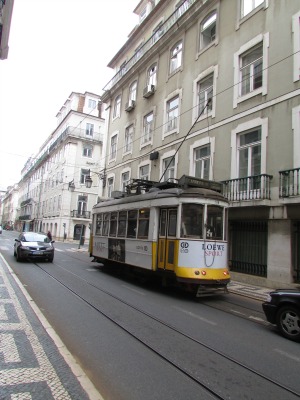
column 55, row 47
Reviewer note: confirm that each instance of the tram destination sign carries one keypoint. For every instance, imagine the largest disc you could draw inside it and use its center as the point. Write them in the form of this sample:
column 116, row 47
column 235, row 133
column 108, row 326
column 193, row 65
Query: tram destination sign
column 190, row 181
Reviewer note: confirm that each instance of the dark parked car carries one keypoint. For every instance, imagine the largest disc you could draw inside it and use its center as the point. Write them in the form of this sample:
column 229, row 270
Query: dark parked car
column 33, row 245
column 283, row 309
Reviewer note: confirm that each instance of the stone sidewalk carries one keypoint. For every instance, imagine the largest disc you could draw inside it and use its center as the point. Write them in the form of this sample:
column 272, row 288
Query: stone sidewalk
column 34, row 363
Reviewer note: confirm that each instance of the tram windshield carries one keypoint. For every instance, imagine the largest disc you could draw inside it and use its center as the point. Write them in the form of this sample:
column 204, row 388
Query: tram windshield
column 192, row 221
column 214, row 223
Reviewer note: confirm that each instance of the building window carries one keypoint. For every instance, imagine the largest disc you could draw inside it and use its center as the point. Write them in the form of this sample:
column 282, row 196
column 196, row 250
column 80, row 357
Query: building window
column 181, row 7
column 83, row 174
column 92, row 104
column 147, row 128
column 124, row 180
column 132, row 91
column 87, row 151
column 152, row 75
column 208, row 30
column 205, row 93
column 89, row 130
column 128, row 139
column 113, row 147
column 169, row 167
column 251, row 69
column 144, row 172
column 110, row 186
column 176, row 57
column 249, row 153
column 251, row 65
column 202, row 162
column 82, row 205
column 296, row 46
column 172, row 114
column 157, row 32
column 117, row 107
column 249, row 5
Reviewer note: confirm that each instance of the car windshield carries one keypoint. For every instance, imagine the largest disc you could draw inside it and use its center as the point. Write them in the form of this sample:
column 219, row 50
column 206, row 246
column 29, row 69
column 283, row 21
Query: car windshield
column 35, row 237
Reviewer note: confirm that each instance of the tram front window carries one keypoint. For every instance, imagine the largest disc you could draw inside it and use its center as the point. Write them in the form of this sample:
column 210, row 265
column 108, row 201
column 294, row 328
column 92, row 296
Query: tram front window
column 192, row 221
column 214, row 224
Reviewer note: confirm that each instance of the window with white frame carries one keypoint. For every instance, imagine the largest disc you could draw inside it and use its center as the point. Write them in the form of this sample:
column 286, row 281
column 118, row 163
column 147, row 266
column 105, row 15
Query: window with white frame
column 249, row 157
column 83, row 174
column 117, row 107
column 152, row 75
column 208, row 30
column 89, row 130
column 113, row 147
column 172, row 114
column 125, row 177
column 92, row 104
column 132, row 91
column 296, row 46
column 82, row 205
column 249, row 5
column 176, row 57
column 169, row 167
column 87, row 151
column 202, row 161
column 110, row 186
column 251, row 65
column 147, row 128
column 205, row 93
column 144, row 172
column 251, row 69
column 128, row 139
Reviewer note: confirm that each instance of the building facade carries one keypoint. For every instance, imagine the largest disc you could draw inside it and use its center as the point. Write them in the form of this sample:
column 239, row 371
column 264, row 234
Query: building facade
column 6, row 10
column 210, row 88
column 52, row 192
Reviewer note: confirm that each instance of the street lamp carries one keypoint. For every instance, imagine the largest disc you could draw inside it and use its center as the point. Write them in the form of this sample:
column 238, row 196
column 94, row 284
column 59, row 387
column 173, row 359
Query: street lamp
column 71, row 186
column 89, row 181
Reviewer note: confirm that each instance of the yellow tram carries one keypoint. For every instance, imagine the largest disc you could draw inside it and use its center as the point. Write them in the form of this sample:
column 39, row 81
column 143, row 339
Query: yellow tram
column 173, row 229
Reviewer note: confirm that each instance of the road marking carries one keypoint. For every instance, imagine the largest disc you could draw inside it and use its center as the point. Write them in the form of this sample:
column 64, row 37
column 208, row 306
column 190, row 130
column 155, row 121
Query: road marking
column 256, row 318
column 195, row 316
column 238, row 312
column 133, row 290
column 92, row 269
column 288, row 355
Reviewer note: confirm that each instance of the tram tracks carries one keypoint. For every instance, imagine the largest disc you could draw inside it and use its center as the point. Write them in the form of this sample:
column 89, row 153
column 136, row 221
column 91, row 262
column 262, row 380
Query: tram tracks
column 199, row 361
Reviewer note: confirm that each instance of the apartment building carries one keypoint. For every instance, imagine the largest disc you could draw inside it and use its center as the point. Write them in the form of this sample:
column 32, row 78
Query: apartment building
column 53, row 194
column 210, row 88
column 6, row 10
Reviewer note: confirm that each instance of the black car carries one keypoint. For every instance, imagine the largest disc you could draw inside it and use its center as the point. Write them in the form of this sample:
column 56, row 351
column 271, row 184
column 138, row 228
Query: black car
column 33, row 245
column 283, row 309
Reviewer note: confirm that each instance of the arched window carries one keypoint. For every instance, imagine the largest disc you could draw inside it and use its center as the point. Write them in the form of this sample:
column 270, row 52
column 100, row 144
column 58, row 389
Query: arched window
column 208, row 30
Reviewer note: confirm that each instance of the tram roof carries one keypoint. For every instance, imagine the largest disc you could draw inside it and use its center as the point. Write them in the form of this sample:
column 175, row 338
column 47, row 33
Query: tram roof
column 186, row 186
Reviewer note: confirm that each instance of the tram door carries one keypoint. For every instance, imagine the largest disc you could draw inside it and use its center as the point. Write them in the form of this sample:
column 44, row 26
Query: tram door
column 167, row 238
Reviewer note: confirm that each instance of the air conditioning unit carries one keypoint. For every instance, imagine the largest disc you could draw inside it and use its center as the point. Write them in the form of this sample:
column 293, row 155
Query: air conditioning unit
column 130, row 105
column 148, row 91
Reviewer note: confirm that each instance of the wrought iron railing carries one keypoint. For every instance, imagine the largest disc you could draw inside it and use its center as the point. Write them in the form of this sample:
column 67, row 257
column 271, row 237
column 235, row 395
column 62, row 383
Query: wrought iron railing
column 289, row 183
column 157, row 35
column 256, row 187
column 80, row 214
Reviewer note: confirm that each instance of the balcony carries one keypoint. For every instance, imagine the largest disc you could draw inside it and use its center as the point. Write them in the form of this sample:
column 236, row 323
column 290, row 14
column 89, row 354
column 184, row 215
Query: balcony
column 80, row 214
column 256, row 187
column 289, row 183
column 163, row 29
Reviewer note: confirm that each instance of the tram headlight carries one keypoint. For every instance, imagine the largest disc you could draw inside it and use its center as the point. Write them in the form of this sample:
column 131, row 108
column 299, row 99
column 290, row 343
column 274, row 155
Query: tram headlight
column 203, row 272
column 225, row 272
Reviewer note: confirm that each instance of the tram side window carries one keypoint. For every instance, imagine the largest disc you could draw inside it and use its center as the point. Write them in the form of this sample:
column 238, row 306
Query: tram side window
column 172, row 223
column 192, row 221
column 105, row 224
column 143, row 229
column 122, row 222
column 99, row 221
column 113, row 224
column 132, row 224
column 214, row 224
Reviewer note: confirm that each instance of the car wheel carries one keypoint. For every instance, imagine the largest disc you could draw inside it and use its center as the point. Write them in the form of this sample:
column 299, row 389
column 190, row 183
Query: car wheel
column 18, row 257
column 288, row 322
